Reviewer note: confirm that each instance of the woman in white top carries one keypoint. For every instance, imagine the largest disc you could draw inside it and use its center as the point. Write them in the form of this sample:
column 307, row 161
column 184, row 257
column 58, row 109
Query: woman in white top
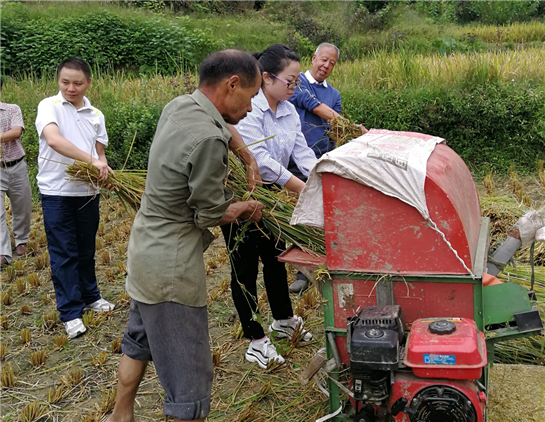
column 271, row 114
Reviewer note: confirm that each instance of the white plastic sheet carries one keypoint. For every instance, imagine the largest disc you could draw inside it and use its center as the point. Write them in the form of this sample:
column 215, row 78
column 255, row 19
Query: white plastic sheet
column 394, row 163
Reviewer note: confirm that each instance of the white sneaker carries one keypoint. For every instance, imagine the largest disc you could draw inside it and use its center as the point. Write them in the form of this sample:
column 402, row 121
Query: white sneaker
column 74, row 328
column 286, row 328
column 100, row 305
column 262, row 352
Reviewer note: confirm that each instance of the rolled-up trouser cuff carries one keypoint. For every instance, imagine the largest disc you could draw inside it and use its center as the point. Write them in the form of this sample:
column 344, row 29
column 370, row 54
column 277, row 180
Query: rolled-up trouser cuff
column 133, row 349
column 188, row 411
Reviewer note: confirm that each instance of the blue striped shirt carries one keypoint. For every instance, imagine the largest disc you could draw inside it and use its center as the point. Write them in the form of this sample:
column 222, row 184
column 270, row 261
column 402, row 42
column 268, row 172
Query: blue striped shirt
column 273, row 155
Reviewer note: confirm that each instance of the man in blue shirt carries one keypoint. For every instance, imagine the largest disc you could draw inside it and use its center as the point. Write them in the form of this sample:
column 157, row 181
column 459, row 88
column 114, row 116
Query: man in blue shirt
column 317, row 103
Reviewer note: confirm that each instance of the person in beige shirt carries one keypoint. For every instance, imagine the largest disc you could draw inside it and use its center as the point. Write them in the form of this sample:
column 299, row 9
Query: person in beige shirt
column 184, row 195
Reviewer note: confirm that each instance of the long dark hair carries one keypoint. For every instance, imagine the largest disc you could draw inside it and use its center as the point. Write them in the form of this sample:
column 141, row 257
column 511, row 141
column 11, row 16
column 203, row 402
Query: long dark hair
column 276, row 58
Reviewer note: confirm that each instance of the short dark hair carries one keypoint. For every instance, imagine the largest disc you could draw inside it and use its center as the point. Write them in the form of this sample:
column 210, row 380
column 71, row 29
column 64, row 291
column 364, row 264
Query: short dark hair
column 226, row 63
column 276, row 58
column 76, row 64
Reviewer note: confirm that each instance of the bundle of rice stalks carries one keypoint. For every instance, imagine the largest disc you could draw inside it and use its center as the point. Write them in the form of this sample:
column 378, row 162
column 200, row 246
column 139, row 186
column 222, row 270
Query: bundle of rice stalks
column 279, row 206
column 341, row 130
column 128, row 185
column 503, row 212
column 529, row 350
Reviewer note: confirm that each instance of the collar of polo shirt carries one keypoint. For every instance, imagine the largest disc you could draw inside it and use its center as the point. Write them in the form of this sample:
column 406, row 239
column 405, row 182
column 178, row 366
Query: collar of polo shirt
column 314, row 81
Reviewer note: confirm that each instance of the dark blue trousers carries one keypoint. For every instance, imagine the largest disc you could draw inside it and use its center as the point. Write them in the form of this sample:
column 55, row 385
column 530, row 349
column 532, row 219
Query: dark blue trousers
column 71, row 224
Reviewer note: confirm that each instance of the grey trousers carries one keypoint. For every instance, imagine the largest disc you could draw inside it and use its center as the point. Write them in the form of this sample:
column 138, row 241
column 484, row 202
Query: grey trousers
column 15, row 184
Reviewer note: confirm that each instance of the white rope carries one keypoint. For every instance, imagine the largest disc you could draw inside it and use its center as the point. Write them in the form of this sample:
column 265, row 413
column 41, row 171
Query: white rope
column 331, row 415
column 434, row 227
column 319, row 382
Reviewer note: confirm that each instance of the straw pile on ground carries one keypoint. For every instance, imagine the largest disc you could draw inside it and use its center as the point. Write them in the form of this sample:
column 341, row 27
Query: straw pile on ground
column 341, row 130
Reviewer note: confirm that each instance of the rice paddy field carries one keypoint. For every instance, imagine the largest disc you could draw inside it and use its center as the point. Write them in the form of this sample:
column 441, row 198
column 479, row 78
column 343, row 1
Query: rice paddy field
column 487, row 102
column 45, row 377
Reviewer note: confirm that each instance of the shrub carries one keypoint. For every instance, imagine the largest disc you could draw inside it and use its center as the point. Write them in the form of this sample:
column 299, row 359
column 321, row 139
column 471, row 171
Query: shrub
column 106, row 40
column 491, row 125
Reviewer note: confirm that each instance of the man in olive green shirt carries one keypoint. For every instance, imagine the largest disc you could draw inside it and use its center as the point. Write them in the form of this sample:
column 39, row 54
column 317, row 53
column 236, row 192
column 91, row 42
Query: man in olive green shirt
column 184, row 195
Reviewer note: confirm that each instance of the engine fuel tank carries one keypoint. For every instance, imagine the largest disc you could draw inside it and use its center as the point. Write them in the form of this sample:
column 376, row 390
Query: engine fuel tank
column 450, row 348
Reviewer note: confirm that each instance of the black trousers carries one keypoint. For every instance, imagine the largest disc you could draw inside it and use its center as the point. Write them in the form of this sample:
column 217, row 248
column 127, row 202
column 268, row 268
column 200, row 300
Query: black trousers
column 244, row 269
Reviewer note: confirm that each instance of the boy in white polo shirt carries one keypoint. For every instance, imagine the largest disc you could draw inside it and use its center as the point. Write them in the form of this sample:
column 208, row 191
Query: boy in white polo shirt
column 70, row 128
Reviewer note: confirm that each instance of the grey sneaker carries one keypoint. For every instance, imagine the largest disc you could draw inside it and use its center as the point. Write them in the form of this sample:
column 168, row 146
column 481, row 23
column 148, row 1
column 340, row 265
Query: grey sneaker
column 286, row 328
column 100, row 305
column 263, row 352
column 299, row 285
column 74, row 328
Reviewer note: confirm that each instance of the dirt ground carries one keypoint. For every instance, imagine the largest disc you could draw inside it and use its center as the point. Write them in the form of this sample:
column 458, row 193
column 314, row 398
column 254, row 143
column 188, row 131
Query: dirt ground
column 45, row 379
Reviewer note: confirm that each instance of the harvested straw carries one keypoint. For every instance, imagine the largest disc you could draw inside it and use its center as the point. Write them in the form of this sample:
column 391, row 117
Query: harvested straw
column 341, row 130
column 539, row 254
column 279, row 205
column 504, row 212
column 530, row 350
column 128, row 185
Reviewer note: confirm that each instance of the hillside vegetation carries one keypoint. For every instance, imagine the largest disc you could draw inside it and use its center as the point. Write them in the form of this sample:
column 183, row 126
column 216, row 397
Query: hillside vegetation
column 470, row 72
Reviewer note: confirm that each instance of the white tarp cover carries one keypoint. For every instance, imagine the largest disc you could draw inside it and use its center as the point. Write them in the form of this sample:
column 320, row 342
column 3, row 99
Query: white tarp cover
column 394, row 163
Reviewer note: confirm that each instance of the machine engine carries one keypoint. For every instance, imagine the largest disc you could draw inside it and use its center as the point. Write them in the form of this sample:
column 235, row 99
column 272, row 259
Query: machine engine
column 375, row 339
column 428, row 377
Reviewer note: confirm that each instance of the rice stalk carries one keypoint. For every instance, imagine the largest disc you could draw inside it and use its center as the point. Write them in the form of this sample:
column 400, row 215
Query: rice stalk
column 128, row 185
column 518, row 188
column 116, row 345
column 55, row 394
column 341, row 130
column 49, row 320
column 108, row 400
column 37, row 358
column 489, row 185
column 5, row 297
column 32, row 412
column 279, row 206
column 21, row 286
column 34, row 280
column 4, row 322
column 73, row 378
column 100, row 359
column 61, row 341
column 7, row 376
column 25, row 336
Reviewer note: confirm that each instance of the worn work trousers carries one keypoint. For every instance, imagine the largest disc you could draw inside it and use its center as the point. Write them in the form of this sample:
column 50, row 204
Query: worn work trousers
column 71, row 224
column 244, row 270
column 15, row 184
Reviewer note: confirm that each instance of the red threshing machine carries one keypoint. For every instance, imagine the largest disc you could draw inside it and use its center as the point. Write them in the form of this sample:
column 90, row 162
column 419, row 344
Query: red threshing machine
column 416, row 331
